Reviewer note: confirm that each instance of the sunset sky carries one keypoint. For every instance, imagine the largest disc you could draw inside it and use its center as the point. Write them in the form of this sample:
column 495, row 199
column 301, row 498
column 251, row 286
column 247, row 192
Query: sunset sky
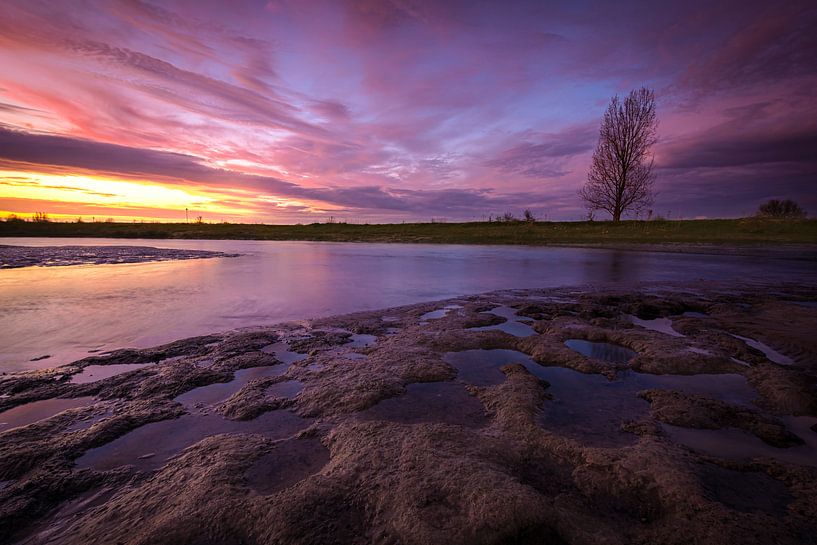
column 294, row 111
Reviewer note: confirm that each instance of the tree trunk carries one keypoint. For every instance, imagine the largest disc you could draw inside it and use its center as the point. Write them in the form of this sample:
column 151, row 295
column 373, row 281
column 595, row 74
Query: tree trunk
column 616, row 215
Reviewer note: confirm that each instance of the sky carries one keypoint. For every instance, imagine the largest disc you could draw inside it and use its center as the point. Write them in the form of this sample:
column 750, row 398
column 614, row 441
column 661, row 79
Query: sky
column 291, row 111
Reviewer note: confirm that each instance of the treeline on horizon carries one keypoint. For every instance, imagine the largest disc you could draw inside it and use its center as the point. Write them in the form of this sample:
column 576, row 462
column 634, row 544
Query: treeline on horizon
column 753, row 230
column 772, row 209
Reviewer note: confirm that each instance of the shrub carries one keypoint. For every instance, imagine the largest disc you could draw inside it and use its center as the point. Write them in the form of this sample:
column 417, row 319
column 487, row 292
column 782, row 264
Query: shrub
column 786, row 209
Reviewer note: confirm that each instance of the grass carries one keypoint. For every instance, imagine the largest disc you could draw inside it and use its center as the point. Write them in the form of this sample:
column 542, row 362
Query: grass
column 719, row 231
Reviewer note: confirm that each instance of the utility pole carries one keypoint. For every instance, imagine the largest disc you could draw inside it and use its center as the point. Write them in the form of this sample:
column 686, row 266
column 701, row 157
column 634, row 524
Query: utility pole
column 186, row 217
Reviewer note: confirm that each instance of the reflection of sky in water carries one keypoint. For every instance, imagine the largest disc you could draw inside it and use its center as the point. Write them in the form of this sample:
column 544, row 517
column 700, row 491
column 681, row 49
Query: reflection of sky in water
column 68, row 311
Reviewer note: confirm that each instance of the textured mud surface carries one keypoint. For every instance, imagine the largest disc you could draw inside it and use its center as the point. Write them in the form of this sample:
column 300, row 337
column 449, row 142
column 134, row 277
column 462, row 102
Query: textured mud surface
column 12, row 257
column 433, row 423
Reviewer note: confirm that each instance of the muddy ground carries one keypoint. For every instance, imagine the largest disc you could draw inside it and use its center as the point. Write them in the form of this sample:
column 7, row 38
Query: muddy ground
column 690, row 417
column 13, row 257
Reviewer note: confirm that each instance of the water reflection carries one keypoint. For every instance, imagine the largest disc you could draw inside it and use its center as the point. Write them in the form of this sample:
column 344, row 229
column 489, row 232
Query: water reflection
column 68, row 311
column 601, row 351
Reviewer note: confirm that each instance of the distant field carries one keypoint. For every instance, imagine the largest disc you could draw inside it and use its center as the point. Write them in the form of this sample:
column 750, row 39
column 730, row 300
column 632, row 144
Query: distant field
column 726, row 231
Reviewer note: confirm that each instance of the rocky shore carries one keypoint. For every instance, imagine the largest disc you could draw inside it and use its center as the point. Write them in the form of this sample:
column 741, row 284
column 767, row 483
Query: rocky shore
column 664, row 414
column 14, row 257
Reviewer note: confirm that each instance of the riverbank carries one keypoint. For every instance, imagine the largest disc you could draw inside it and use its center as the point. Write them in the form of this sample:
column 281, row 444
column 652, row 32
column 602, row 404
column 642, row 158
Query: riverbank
column 661, row 414
column 747, row 231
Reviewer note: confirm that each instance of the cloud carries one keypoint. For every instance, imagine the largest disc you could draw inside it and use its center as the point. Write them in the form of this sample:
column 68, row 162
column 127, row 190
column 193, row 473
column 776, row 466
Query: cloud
column 545, row 155
column 44, row 152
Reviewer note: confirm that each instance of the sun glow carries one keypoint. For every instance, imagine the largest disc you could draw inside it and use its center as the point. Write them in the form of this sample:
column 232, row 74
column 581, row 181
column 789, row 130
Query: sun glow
column 134, row 199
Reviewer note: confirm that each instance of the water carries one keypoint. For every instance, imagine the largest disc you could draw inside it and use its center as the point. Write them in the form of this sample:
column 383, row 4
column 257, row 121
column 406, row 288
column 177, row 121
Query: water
column 768, row 351
column 731, row 443
column 511, row 325
column 69, row 311
column 220, row 391
column 93, row 373
column 149, row 446
column 588, row 407
column 35, row 411
column 601, row 351
column 446, row 402
column 661, row 325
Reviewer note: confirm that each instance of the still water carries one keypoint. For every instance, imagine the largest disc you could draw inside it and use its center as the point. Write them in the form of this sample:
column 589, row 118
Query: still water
column 67, row 312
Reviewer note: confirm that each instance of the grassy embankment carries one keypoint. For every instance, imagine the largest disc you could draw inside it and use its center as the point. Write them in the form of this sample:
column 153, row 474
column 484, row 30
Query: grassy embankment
column 723, row 231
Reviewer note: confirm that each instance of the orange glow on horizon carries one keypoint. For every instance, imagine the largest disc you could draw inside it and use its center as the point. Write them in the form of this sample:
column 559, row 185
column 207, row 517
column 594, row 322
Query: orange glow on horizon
column 66, row 197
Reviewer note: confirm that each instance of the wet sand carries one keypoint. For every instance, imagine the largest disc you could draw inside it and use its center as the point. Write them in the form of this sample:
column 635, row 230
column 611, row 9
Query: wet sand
column 659, row 414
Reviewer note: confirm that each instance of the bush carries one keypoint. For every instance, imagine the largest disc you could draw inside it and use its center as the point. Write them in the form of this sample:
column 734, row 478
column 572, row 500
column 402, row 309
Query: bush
column 775, row 208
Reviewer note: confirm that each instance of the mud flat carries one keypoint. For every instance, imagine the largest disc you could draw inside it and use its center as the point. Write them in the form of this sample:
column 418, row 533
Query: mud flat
column 13, row 257
column 665, row 414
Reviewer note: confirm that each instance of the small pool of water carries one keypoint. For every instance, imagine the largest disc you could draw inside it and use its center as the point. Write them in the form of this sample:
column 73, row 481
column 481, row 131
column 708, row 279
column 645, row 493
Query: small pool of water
column 768, row 351
column 291, row 462
column 360, row 340
column 587, row 408
column 512, row 324
column 439, row 313
column 733, row 443
column 220, row 391
column 661, row 325
column 35, row 411
column 601, row 351
column 93, row 373
column 590, row 408
column 282, row 353
column 446, row 402
column 149, row 447
column 727, row 387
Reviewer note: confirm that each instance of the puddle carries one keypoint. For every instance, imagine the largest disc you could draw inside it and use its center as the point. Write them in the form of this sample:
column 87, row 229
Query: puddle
column 481, row 367
column 693, row 314
column 513, row 324
column 745, row 491
column 390, row 319
column 93, row 373
column 587, row 408
column 434, row 315
column 360, row 340
column 728, row 387
column 35, row 411
column 738, row 444
column 741, row 362
column 590, row 408
column 291, row 462
column 446, row 402
column 282, row 353
column 149, row 447
column 355, row 356
column 218, row 392
column 439, row 313
column 601, row 351
column 661, row 325
column 770, row 353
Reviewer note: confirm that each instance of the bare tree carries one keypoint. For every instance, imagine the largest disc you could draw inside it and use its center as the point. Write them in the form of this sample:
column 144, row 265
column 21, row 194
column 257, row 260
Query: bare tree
column 621, row 177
